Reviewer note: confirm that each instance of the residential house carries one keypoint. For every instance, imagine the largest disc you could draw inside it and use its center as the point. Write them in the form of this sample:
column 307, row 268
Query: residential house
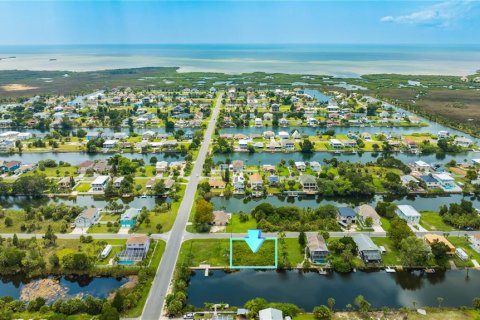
column 317, row 248
column 85, row 165
column 239, row 183
column 65, row 183
column 288, row 144
column 463, row 142
column 336, row 144
column 283, row 122
column 237, row 166
column 87, row 218
column 92, row 135
column 308, row 182
column 161, row 167
column 315, row 165
column 258, row 122
column 268, row 134
column 270, row 314
column 446, row 182
column 366, row 211
column 137, row 246
column 100, row 183
column 300, row 165
column 221, row 218
column 406, row 179
column 422, row 166
column 243, row 144
column 216, row 184
column 475, row 242
column 129, row 217
column 432, row 238
column 273, row 180
column 256, row 181
column 109, row 144
column 408, row 213
column 118, row 182
column 368, row 251
column 275, row 107
column 283, row 135
column 150, row 184
column 10, row 166
column 442, row 134
column 346, row 216
column 411, row 145
column 430, row 181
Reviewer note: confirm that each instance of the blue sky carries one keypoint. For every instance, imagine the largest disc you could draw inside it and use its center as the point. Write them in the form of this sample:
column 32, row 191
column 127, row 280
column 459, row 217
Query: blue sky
column 230, row 21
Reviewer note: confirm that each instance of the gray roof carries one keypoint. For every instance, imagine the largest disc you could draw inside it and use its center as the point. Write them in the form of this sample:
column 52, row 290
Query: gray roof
column 364, row 243
column 316, row 243
column 306, row 178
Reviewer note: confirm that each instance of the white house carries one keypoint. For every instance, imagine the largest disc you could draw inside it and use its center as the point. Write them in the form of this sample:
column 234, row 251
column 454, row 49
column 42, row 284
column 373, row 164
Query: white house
column 258, row 122
column 87, row 218
column 283, row 135
column 109, row 144
column 475, row 242
column 242, row 144
column 316, row 166
column 300, row 165
column 421, row 166
column 118, row 182
column 137, row 246
column 442, row 134
column 239, row 183
column 336, row 144
column 99, row 183
column 408, row 213
column 161, row 166
column 463, row 142
column 270, row 314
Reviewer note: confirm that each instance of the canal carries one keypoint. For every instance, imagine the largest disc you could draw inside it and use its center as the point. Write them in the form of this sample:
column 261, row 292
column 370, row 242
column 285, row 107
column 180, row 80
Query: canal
column 311, row 289
column 68, row 287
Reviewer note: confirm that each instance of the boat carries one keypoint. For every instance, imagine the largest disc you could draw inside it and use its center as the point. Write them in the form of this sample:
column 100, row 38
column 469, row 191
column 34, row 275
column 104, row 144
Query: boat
column 143, row 196
column 429, row 270
column 338, row 152
column 389, row 269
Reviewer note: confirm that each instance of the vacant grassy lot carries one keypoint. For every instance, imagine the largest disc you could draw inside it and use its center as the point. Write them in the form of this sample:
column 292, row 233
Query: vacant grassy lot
column 433, row 221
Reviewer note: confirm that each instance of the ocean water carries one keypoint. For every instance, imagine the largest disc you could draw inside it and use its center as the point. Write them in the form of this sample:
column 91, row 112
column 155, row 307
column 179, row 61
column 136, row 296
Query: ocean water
column 338, row 60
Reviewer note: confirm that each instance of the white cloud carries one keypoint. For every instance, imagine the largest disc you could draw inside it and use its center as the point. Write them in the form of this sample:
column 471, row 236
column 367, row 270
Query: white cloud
column 442, row 14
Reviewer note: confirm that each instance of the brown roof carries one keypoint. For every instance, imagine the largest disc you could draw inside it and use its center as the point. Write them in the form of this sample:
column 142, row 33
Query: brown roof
column 477, row 236
column 366, row 210
column 431, row 238
column 255, row 177
column 86, row 164
column 89, row 213
column 220, row 217
column 141, row 239
column 237, row 163
column 216, row 183
column 12, row 163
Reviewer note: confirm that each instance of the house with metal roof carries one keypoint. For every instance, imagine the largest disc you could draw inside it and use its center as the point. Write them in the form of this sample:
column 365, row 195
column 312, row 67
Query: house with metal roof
column 408, row 213
column 317, row 248
column 129, row 217
column 368, row 251
column 346, row 216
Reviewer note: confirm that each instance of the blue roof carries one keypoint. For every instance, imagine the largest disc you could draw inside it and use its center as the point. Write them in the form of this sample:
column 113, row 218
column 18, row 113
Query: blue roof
column 428, row 179
column 346, row 212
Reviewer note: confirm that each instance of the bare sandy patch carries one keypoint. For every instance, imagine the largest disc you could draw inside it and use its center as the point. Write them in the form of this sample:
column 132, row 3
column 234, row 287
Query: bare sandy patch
column 17, row 87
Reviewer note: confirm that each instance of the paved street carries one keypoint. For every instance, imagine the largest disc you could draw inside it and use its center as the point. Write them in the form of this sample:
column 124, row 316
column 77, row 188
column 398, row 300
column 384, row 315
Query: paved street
column 154, row 305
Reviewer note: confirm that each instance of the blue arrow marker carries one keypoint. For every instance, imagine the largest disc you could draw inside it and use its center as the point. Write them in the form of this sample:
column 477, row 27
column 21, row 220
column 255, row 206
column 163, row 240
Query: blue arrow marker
column 254, row 239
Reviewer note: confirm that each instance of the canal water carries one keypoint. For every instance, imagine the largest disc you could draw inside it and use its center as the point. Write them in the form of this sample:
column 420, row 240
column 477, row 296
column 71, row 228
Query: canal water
column 98, row 287
column 421, row 203
column 20, row 202
column 310, row 289
column 75, row 158
column 261, row 158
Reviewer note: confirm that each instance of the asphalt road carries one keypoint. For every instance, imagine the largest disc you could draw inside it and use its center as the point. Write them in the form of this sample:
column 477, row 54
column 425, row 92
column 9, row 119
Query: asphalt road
column 155, row 301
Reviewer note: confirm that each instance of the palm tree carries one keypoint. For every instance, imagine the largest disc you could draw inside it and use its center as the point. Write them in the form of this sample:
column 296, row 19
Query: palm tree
column 439, row 301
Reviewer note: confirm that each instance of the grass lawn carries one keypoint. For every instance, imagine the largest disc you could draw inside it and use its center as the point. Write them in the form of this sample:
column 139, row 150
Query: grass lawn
column 18, row 219
column 385, row 223
column 67, row 246
column 102, row 228
column 110, row 217
column 83, row 187
column 391, row 257
column 461, row 242
column 433, row 221
column 166, row 219
column 432, row 314
column 236, row 226
column 215, row 252
column 243, row 255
